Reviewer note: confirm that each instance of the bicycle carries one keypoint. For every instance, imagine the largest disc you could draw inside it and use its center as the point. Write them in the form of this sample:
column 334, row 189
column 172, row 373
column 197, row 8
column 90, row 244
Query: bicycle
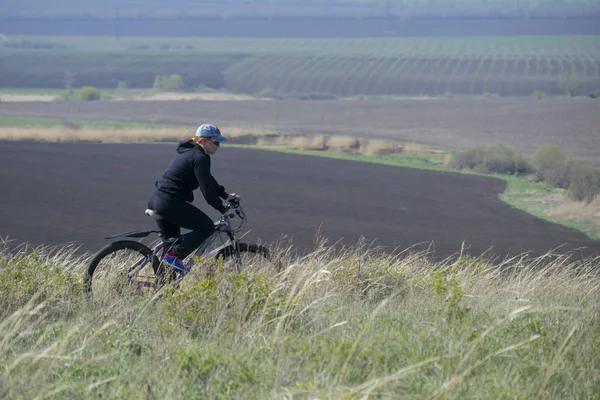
column 141, row 256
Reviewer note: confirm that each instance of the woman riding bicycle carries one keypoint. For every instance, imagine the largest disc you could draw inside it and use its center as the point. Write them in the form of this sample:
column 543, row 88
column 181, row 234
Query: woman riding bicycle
column 173, row 194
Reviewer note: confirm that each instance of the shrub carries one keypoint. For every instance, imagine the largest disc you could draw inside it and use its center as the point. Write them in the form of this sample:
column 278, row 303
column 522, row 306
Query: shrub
column 200, row 305
column 267, row 92
column 172, row 83
column 553, row 166
column 569, row 83
column 39, row 277
column 88, row 93
column 585, row 182
column 492, row 158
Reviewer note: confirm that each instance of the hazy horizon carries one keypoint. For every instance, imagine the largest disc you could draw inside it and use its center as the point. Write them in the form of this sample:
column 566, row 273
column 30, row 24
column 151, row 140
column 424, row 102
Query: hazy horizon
column 123, row 9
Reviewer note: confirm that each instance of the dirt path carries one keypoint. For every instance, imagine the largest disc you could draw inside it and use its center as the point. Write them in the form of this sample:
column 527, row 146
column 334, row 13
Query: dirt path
column 58, row 193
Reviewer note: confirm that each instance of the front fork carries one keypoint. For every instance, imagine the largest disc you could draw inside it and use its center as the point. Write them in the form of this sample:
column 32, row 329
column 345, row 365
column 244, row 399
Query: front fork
column 237, row 256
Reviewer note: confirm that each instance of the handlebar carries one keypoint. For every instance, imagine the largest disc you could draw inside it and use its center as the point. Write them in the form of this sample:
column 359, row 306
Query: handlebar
column 235, row 205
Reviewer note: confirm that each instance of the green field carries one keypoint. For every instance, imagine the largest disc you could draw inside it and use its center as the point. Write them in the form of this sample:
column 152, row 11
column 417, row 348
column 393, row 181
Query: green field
column 336, row 67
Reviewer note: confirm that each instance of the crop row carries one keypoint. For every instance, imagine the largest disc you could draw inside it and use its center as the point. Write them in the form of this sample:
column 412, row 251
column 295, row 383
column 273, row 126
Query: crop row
column 373, row 75
column 311, row 73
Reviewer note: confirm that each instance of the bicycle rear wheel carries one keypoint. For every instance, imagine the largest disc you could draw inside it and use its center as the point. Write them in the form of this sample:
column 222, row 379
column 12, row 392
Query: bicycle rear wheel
column 252, row 258
column 122, row 267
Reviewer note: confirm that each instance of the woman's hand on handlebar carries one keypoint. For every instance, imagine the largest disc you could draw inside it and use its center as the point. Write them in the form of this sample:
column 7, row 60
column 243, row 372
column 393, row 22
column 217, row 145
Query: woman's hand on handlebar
column 233, row 196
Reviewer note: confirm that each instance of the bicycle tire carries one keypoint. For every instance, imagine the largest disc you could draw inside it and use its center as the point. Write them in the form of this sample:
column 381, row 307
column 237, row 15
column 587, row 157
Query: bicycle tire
column 230, row 251
column 111, row 248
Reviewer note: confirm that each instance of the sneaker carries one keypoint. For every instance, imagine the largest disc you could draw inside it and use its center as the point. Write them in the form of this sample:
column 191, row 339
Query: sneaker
column 175, row 262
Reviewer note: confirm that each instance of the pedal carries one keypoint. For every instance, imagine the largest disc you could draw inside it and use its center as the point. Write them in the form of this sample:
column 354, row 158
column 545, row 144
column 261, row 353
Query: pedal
column 145, row 285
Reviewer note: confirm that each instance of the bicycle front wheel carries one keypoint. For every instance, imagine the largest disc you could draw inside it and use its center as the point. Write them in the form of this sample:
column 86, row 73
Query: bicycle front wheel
column 122, row 267
column 250, row 257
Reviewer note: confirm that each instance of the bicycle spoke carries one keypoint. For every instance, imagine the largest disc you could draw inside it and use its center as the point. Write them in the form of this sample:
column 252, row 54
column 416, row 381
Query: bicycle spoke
column 120, row 273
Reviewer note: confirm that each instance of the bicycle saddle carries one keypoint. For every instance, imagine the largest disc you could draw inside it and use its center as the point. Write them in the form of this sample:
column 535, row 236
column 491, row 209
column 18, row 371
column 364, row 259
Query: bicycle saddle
column 152, row 213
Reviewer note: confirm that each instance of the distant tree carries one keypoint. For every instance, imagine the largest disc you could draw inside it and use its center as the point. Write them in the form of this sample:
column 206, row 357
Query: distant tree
column 553, row 166
column 158, row 82
column 585, row 182
column 69, row 78
column 121, row 87
column 88, row 93
column 173, row 83
column 569, row 83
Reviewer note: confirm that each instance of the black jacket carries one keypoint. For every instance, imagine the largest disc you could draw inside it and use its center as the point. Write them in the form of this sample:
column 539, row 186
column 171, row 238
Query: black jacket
column 189, row 170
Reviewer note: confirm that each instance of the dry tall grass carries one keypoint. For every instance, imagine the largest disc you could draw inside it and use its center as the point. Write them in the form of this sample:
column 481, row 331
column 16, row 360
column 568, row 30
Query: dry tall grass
column 257, row 135
column 346, row 144
column 373, row 147
column 578, row 210
column 61, row 134
column 130, row 135
column 296, row 142
column 334, row 324
column 342, row 143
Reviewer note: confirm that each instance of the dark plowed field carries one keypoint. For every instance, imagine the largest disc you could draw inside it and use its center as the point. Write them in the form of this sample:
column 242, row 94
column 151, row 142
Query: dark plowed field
column 59, row 193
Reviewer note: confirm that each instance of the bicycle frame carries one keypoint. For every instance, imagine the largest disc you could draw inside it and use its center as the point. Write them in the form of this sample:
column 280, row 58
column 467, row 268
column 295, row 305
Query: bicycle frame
column 221, row 226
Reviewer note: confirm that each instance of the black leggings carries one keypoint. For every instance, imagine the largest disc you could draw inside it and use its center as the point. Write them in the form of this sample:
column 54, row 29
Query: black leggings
column 179, row 214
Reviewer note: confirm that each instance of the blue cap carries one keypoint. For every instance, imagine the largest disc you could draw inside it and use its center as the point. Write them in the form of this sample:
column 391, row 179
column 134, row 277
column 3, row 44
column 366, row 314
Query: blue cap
column 210, row 131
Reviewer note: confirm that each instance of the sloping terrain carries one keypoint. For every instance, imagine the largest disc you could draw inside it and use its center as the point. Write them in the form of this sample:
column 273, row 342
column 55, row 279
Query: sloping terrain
column 59, row 193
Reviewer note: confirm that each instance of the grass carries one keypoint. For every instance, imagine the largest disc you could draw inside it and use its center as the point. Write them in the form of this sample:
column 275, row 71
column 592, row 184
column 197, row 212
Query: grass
column 349, row 324
column 530, row 197
column 421, row 161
